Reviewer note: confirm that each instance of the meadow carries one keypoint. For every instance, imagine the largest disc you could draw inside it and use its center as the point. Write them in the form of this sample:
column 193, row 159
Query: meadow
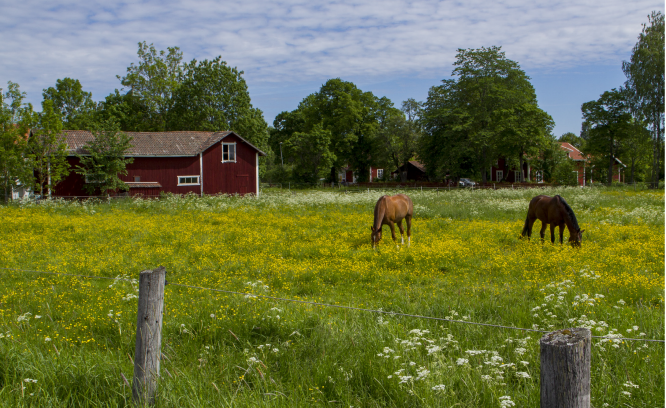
column 69, row 341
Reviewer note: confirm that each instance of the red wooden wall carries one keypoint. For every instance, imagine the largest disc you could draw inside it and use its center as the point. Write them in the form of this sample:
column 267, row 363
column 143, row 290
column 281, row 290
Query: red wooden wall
column 230, row 178
column 226, row 178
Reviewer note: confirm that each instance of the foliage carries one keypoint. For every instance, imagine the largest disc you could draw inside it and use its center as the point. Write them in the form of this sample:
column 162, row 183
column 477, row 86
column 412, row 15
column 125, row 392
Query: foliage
column 398, row 136
column 154, row 81
column 645, row 84
column 310, row 154
column 103, row 160
column 73, row 335
column 489, row 110
column 46, row 149
column 607, row 122
column 14, row 170
column 213, row 96
column 75, row 107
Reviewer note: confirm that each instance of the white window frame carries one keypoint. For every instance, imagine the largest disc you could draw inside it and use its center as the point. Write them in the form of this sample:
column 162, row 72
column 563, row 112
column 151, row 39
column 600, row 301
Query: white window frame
column 89, row 181
column 185, row 183
column 499, row 175
column 235, row 153
column 380, row 173
column 517, row 176
column 539, row 177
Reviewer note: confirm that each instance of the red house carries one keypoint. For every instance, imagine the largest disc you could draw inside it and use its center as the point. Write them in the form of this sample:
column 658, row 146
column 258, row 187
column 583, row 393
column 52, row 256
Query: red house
column 176, row 162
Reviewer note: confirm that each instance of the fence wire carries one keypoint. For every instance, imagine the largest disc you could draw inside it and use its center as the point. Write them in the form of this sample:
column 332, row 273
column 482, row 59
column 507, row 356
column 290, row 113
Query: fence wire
column 251, row 295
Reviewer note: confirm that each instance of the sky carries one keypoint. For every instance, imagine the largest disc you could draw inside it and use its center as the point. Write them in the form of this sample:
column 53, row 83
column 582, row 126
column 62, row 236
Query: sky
column 572, row 49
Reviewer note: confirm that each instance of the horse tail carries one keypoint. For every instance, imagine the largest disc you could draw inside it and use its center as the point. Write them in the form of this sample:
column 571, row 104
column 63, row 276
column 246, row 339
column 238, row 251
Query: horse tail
column 526, row 228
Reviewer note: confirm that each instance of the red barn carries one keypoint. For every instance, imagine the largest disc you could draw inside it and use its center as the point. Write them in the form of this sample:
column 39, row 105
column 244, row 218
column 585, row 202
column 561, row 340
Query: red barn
column 176, row 162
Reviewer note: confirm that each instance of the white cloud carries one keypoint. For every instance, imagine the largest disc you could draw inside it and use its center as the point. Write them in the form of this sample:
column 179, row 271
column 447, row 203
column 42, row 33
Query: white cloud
column 293, row 41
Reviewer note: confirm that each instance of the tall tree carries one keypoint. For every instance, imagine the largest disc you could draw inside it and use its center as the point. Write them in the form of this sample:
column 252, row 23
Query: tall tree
column 398, row 136
column 310, row 154
column 214, row 96
column 635, row 146
column 645, row 83
column 488, row 110
column 154, row 81
column 47, row 148
column 605, row 123
column 75, row 106
column 351, row 116
column 14, row 169
column 105, row 159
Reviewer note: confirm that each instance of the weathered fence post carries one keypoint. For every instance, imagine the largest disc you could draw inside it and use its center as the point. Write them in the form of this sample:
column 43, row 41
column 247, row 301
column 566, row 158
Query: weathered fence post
column 565, row 368
column 148, row 335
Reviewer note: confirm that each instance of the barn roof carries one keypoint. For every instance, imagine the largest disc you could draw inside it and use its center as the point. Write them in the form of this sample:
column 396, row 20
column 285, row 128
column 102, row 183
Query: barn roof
column 179, row 143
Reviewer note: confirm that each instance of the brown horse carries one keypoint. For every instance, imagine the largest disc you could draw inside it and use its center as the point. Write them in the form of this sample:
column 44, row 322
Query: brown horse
column 389, row 210
column 556, row 212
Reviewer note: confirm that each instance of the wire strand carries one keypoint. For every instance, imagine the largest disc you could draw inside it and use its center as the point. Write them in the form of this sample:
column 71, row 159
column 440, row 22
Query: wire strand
column 329, row 305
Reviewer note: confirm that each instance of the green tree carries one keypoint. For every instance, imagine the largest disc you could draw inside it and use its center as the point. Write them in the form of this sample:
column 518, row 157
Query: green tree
column 75, row 107
column 636, row 146
column 104, row 159
column 606, row 122
column 154, row 81
column 488, row 110
column 398, row 137
column 125, row 109
column 645, row 84
column 47, row 148
column 214, row 96
column 14, row 169
column 351, row 116
column 310, row 154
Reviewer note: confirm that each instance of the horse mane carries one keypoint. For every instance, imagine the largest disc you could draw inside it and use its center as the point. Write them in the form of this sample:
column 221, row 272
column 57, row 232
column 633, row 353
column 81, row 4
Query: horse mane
column 380, row 210
column 569, row 212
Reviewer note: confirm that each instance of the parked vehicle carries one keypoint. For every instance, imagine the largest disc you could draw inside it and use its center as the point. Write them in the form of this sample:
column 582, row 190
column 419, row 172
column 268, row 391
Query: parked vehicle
column 465, row 182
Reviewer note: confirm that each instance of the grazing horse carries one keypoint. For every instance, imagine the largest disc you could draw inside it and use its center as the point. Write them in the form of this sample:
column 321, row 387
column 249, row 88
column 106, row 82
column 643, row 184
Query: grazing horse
column 556, row 212
column 389, row 210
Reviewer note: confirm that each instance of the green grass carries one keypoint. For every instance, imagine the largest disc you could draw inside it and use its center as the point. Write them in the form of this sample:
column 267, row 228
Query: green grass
column 466, row 263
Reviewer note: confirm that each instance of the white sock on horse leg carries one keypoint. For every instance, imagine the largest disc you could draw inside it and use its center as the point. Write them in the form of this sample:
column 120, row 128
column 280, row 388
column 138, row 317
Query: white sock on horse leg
column 409, row 241
column 402, row 239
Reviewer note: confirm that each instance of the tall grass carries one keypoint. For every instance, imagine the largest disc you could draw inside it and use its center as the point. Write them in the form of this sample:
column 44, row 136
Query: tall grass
column 69, row 341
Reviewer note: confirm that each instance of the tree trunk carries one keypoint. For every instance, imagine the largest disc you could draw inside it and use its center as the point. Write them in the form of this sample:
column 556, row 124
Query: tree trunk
column 633, row 160
column 520, row 163
column 483, row 166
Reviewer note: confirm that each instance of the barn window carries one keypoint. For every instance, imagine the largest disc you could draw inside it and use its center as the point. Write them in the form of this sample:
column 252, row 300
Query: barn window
column 380, row 173
column 188, row 180
column 499, row 175
column 228, row 152
column 518, row 176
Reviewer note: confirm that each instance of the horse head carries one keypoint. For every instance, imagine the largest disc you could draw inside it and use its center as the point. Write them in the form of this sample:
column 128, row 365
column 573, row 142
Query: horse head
column 577, row 238
column 375, row 236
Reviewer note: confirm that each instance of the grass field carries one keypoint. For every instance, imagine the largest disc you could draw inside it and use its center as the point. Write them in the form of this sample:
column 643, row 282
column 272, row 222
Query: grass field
column 68, row 341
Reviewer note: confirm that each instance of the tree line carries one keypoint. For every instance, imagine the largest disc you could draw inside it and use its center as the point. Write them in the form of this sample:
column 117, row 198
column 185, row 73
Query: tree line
column 159, row 93
column 627, row 123
column 487, row 110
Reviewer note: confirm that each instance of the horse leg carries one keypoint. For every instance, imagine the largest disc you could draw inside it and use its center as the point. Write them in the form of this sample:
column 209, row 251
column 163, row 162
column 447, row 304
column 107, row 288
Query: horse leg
column 402, row 233
column 561, row 233
column 530, row 224
column 392, row 226
column 409, row 230
column 552, row 233
column 543, row 230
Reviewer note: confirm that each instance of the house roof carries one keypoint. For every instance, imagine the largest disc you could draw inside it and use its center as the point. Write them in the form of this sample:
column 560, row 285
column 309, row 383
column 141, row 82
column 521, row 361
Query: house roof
column 573, row 153
column 418, row 165
column 179, row 143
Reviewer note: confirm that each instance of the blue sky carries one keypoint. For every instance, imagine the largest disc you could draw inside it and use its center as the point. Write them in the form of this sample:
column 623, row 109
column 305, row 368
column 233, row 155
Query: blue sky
column 572, row 50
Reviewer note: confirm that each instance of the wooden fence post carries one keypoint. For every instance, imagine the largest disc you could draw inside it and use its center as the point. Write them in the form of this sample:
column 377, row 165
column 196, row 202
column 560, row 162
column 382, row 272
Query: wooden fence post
column 565, row 368
column 148, row 335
